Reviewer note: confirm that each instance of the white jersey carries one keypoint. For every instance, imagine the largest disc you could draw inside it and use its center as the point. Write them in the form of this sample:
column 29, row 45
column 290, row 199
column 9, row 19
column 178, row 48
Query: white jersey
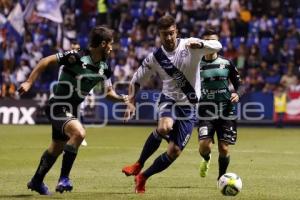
column 183, row 58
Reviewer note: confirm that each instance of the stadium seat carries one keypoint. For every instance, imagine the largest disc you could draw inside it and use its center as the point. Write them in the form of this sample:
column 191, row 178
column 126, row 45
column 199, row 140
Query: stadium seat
column 263, row 45
column 125, row 42
column 224, row 41
column 237, row 41
column 83, row 40
column 251, row 41
column 297, row 23
column 136, row 12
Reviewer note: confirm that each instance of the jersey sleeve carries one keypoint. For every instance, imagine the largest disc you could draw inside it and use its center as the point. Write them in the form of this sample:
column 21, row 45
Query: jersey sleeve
column 68, row 57
column 235, row 78
column 145, row 71
column 107, row 83
column 209, row 46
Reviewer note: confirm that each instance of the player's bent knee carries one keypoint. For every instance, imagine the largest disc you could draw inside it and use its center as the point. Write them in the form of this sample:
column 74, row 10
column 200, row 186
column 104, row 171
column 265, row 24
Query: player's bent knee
column 164, row 130
column 223, row 149
column 173, row 151
column 79, row 134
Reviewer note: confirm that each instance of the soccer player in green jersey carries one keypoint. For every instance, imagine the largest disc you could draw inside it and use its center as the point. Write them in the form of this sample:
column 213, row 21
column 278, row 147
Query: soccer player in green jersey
column 216, row 107
column 83, row 69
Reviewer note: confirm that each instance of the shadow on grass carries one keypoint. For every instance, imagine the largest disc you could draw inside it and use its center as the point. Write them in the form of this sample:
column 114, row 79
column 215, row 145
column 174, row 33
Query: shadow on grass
column 16, row 196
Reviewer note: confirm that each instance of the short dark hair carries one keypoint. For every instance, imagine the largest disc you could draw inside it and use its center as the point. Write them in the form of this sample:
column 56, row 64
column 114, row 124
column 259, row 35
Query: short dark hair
column 210, row 31
column 165, row 22
column 99, row 34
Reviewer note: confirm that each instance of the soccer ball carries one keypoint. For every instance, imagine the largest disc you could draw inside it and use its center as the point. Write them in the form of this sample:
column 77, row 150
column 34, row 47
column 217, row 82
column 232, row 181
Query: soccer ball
column 230, row 184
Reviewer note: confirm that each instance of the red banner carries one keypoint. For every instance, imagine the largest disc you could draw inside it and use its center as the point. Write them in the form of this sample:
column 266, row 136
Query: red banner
column 293, row 107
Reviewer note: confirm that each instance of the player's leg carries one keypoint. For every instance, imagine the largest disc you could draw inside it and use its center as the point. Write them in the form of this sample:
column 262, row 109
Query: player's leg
column 76, row 133
column 205, row 146
column 151, row 145
column 178, row 137
column 161, row 163
column 227, row 134
column 47, row 161
column 224, row 157
column 205, row 137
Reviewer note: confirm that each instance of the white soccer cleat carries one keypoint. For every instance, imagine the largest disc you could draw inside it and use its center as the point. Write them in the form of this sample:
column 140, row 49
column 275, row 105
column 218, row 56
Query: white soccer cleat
column 84, row 143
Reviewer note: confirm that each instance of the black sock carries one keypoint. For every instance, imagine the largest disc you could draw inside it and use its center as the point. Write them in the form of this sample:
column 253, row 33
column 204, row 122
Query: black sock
column 206, row 157
column 47, row 161
column 161, row 163
column 70, row 153
column 150, row 146
column 223, row 164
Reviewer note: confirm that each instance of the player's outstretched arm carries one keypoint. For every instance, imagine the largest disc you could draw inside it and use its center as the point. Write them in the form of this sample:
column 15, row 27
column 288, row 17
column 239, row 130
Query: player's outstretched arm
column 204, row 46
column 113, row 96
column 40, row 67
column 130, row 110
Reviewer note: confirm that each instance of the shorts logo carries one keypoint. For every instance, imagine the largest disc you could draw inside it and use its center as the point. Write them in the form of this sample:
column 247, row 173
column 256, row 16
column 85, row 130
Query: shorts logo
column 69, row 114
column 186, row 140
column 203, row 131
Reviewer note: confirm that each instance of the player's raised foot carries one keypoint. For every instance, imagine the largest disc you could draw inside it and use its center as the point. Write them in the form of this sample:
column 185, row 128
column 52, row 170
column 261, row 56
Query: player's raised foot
column 41, row 188
column 132, row 170
column 140, row 182
column 203, row 168
column 64, row 184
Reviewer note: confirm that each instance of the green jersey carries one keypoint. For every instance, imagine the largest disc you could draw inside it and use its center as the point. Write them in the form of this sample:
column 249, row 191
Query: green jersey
column 79, row 75
column 215, row 76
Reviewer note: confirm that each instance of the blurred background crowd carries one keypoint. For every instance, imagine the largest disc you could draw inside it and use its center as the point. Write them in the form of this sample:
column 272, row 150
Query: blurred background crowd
column 261, row 37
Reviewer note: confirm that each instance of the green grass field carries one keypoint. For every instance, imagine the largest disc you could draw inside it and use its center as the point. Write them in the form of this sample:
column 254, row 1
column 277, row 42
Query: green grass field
column 268, row 161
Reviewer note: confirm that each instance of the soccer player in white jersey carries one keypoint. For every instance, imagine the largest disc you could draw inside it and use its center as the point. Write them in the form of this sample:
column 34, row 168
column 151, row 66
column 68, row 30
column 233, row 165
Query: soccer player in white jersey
column 177, row 64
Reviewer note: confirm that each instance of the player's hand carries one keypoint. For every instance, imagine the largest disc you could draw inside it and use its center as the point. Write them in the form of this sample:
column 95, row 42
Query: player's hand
column 125, row 98
column 234, row 98
column 24, row 87
column 129, row 112
column 195, row 45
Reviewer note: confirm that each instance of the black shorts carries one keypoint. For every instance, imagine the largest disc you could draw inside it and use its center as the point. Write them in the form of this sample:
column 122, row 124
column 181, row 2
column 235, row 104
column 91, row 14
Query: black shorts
column 59, row 115
column 226, row 130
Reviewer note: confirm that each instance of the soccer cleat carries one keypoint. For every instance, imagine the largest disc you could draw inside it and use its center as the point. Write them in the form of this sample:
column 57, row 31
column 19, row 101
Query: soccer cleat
column 140, row 182
column 41, row 188
column 64, row 184
column 84, row 143
column 132, row 169
column 203, row 169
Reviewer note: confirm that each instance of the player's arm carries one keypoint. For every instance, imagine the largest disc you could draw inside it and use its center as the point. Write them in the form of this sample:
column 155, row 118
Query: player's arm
column 67, row 58
column 141, row 76
column 113, row 96
column 204, row 46
column 235, row 79
column 40, row 67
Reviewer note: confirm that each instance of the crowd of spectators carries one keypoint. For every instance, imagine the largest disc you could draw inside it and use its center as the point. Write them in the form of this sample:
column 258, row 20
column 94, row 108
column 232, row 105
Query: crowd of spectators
column 261, row 37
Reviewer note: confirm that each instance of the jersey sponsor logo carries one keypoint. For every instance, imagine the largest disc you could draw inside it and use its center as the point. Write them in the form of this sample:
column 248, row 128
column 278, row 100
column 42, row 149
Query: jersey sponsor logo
column 179, row 79
column 71, row 52
column 83, row 65
column 60, row 55
column 167, row 64
column 203, row 131
column 183, row 53
column 222, row 66
column 145, row 63
column 219, row 91
column 101, row 71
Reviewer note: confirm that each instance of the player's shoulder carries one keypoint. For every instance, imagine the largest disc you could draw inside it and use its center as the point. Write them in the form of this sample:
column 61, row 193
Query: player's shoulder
column 77, row 52
column 149, row 60
column 224, row 60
